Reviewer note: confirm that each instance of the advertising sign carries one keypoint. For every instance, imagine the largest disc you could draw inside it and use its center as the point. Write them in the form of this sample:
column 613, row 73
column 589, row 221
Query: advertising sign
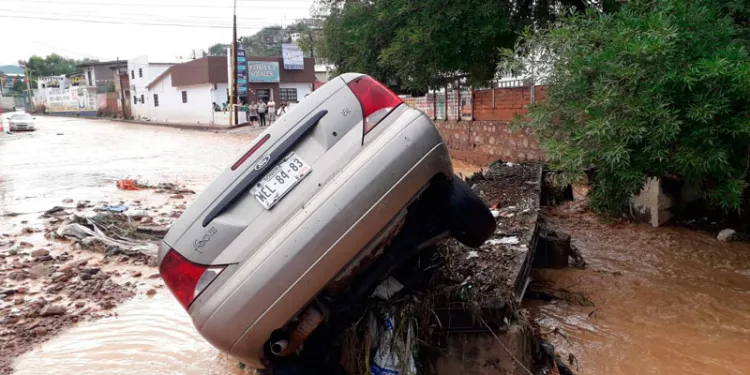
column 294, row 59
column 262, row 71
column 241, row 72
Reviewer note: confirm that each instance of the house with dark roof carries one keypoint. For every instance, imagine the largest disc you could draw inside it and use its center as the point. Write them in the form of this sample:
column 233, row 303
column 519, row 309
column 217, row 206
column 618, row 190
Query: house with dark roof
column 184, row 93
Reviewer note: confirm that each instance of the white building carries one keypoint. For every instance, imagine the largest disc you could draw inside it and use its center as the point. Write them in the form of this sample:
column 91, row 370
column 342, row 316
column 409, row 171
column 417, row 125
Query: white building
column 143, row 71
column 182, row 93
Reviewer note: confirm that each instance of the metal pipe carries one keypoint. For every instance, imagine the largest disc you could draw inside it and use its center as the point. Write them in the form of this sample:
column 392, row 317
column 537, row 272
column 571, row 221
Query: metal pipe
column 309, row 320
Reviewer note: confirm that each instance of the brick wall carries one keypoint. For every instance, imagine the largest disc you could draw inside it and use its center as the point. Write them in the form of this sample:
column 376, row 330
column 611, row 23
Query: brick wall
column 489, row 137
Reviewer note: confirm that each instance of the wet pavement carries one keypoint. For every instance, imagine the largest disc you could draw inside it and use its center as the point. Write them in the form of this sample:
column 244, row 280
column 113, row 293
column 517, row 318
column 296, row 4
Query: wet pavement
column 663, row 300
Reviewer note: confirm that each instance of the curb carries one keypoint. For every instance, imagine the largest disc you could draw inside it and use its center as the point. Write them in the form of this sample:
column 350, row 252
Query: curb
column 208, row 128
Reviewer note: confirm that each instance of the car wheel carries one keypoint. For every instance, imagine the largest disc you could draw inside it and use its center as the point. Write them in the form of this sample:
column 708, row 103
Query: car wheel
column 469, row 219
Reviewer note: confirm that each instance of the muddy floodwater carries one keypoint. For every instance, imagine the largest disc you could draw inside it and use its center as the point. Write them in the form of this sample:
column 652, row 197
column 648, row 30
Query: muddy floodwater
column 663, row 300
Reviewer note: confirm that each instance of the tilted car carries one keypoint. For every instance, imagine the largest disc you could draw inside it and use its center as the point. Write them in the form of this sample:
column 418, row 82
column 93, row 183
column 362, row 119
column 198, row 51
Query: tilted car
column 318, row 210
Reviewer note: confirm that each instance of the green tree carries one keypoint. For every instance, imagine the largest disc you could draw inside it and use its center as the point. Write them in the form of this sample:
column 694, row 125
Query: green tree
column 659, row 88
column 53, row 64
column 218, row 49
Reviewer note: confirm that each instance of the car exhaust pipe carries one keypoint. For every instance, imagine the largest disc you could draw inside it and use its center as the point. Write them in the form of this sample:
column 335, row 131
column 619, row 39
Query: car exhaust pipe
column 310, row 319
column 279, row 346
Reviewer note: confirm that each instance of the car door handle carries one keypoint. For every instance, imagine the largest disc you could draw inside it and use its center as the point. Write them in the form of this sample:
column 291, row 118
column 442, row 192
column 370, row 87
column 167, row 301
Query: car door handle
column 274, row 157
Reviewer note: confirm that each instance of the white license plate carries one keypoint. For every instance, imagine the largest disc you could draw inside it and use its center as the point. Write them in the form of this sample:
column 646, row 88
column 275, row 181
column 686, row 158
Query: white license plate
column 280, row 180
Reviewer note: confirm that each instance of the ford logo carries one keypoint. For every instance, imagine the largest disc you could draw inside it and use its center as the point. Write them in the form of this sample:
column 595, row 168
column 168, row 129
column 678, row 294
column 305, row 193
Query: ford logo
column 262, row 163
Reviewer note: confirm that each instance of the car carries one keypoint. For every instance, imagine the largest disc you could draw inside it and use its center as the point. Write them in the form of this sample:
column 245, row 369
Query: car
column 20, row 121
column 312, row 216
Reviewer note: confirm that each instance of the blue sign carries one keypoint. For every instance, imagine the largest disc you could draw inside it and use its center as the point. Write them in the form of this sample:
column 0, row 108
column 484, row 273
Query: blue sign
column 241, row 72
column 263, row 71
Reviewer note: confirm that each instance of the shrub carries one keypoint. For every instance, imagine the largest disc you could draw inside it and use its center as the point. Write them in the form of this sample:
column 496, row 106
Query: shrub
column 659, row 88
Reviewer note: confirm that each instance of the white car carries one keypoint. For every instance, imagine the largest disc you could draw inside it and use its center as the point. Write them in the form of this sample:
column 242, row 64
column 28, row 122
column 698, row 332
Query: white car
column 20, row 121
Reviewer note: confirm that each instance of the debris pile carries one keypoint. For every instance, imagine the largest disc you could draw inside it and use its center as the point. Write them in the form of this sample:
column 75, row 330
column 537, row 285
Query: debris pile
column 453, row 289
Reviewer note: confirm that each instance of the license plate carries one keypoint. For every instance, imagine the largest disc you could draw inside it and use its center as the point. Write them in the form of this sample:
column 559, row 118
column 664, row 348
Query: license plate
column 280, row 180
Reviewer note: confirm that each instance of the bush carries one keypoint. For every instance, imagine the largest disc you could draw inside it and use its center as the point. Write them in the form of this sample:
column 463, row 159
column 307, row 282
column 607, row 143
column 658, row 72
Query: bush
column 659, row 88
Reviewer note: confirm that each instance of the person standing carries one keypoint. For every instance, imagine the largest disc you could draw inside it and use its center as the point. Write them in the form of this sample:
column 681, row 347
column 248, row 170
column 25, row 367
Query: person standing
column 262, row 108
column 271, row 111
column 245, row 108
column 253, row 113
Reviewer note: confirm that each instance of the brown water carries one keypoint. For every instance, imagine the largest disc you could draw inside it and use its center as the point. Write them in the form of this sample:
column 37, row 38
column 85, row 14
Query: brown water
column 666, row 300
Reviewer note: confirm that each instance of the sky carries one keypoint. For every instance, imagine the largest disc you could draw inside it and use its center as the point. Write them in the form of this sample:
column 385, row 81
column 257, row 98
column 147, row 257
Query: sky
column 110, row 29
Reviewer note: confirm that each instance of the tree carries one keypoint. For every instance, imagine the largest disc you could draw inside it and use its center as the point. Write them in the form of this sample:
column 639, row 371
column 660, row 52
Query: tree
column 218, row 49
column 659, row 88
column 53, row 64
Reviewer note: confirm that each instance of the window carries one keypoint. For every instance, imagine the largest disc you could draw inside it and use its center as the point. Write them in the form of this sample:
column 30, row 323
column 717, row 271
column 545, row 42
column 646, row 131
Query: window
column 184, row 96
column 132, row 74
column 288, row 95
column 140, row 72
column 91, row 82
column 156, row 100
column 142, row 101
column 135, row 99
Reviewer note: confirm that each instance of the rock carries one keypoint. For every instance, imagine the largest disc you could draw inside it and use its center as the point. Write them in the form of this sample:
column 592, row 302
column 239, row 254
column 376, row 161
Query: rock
column 154, row 276
column 80, row 304
column 60, row 277
column 153, row 261
column 39, row 252
column 13, row 252
column 25, row 245
column 124, row 259
column 68, row 200
column 18, row 301
column 177, row 196
column 51, row 310
column 151, row 292
column 17, row 275
column 106, row 305
column 146, row 220
column 44, row 258
column 22, row 290
column 84, row 276
column 53, row 210
column 136, row 274
column 727, row 235
column 91, row 270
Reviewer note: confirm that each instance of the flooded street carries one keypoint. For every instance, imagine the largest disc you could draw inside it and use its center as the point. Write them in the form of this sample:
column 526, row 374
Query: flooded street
column 665, row 300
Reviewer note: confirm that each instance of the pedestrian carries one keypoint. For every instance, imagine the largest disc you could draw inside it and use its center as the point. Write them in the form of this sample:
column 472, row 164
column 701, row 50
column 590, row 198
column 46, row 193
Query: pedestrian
column 271, row 111
column 253, row 113
column 246, row 108
column 224, row 107
column 262, row 113
column 282, row 109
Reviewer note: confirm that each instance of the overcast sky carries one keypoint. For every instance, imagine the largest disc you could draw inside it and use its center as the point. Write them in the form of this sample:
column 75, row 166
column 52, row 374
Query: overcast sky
column 107, row 29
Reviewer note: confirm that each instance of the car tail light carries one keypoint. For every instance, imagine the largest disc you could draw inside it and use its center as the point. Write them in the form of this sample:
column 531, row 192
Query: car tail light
column 377, row 101
column 251, row 151
column 184, row 278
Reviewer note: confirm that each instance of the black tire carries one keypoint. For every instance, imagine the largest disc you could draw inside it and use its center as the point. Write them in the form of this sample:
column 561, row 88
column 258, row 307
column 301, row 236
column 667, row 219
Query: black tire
column 469, row 219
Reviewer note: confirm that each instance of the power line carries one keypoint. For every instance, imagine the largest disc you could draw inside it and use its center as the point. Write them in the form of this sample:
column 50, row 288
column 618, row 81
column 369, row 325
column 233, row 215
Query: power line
column 264, row 6
column 156, row 20
column 137, row 22
column 155, row 16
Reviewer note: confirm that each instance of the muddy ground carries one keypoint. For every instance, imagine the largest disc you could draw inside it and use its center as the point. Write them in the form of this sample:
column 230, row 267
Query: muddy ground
column 53, row 277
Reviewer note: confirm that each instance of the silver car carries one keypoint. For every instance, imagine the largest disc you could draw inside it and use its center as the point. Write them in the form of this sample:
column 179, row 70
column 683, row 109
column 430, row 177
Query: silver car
column 20, row 121
column 317, row 211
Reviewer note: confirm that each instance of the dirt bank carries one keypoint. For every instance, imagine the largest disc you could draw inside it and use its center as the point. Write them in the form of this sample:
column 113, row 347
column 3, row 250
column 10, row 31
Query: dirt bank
column 75, row 263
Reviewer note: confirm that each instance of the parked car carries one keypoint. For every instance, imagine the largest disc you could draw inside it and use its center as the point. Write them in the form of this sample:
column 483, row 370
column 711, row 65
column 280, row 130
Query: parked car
column 316, row 212
column 20, row 121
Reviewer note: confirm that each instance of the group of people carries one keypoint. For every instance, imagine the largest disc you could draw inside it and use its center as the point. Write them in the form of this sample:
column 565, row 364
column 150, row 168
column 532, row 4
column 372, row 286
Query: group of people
column 260, row 113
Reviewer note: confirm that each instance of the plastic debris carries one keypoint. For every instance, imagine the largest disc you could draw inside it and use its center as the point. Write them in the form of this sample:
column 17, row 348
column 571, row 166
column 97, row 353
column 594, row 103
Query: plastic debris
column 495, row 213
column 127, row 185
column 119, row 208
column 395, row 356
column 503, row 241
column 387, row 289
column 472, row 255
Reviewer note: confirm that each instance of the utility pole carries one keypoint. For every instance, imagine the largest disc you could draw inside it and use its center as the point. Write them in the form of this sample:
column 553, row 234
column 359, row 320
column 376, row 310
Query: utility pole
column 234, row 66
column 122, row 89
column 28, row 88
